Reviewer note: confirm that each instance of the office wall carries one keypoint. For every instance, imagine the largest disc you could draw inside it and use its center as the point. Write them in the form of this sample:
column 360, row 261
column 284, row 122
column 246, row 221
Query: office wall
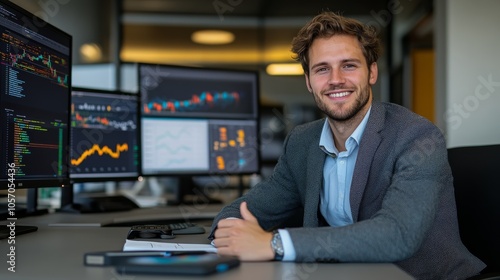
column 86, row 21
column 467, row 71
column 97, row 76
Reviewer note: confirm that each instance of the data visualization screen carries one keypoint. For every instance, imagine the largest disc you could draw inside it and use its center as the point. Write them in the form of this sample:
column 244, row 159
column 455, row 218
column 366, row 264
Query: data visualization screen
column 198, row 120
column 104, row 135
column 35, row 75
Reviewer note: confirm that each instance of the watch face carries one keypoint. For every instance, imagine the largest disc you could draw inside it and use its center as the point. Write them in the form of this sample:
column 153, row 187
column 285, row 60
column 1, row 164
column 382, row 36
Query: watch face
column 277, row 245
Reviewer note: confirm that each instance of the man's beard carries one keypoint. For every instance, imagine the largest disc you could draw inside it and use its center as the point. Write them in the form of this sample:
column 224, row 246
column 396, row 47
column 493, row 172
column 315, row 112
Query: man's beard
column 346, row 113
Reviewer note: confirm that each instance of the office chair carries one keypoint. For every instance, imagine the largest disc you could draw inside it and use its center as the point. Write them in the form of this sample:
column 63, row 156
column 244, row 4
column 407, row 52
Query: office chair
column 476, row 177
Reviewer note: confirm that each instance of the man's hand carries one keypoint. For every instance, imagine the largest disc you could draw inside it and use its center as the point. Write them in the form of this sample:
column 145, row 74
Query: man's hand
column 243, row 238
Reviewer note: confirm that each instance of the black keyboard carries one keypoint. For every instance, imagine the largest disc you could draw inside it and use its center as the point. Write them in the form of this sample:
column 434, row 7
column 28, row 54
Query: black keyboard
column 186, row 228
column 184, row 225
column 5, row 231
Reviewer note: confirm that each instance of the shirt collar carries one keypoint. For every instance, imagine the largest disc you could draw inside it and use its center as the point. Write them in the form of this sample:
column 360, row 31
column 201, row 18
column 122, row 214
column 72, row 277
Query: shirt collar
column 326, row 142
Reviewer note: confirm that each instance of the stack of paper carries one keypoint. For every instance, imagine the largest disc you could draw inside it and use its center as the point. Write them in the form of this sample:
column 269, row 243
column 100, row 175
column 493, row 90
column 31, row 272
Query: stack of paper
column 134, row 245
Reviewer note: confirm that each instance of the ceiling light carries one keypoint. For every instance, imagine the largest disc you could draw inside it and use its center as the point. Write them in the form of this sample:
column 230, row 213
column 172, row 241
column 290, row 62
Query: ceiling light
column 212, row 37
column 90, row 52
column 284, row 69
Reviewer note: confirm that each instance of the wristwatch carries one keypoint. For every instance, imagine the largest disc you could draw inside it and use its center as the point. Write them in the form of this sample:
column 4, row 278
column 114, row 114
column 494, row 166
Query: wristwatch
column 277, row 246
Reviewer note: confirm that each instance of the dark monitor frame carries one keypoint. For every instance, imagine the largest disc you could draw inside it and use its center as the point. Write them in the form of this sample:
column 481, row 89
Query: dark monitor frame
column 255, row 118
column 32, row 28
column 185, row 183
column 274, row 129
column 98, row 203
column 116, row 177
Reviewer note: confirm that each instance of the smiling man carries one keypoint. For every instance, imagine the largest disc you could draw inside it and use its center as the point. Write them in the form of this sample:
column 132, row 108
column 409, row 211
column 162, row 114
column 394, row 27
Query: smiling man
column 371, row 181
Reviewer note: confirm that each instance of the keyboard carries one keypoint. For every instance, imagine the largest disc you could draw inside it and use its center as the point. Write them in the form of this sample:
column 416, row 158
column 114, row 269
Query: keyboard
column 5, row 231
column 173, row 219
column 186, row 228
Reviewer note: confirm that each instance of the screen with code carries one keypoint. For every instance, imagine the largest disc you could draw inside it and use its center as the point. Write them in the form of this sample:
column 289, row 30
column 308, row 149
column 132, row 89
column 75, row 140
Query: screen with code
column 35, row 75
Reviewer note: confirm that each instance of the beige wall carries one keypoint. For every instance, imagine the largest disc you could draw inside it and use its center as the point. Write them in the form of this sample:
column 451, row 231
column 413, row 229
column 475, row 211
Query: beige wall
column 467, row 71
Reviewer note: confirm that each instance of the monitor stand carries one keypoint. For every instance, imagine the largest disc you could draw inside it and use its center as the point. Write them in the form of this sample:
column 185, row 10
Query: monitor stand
column 93, row 203
column 187, row 187
column 31, row 208
column 13, row 225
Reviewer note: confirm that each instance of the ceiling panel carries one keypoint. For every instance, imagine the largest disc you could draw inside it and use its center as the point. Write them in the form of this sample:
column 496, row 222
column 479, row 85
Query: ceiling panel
column 159, row 31
column 261, row 8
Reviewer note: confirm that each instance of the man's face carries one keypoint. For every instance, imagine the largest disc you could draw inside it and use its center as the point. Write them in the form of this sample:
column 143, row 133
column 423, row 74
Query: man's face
column 339, row 78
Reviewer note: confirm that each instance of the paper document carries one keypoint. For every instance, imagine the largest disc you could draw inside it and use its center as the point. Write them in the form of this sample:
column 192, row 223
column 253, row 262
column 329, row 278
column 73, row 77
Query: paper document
column 133, row 245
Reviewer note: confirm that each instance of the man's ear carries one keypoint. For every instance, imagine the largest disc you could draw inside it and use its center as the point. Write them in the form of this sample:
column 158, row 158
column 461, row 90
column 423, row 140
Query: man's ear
column 373, row 73
column 308, row 84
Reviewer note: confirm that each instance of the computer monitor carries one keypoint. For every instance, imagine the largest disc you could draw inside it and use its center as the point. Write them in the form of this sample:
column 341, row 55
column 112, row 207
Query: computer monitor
column 104, row 136
column 273, row 131
column 103, row 147
column 35, row 87
column 198, row 121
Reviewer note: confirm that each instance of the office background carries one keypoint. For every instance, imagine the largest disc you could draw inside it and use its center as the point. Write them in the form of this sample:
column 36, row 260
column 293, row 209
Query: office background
column 441, row 57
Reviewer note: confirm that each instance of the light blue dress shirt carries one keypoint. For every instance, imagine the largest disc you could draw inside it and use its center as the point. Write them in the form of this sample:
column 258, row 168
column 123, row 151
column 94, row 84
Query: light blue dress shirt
column 337, row 177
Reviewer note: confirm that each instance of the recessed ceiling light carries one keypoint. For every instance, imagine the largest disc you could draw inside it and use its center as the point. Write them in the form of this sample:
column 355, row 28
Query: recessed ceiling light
column 212, row 37
column 90, row 52
column 284, row 69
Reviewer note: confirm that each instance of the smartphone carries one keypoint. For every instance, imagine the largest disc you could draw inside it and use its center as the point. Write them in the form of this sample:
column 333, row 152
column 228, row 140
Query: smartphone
column 196, row 264
column 108, row 258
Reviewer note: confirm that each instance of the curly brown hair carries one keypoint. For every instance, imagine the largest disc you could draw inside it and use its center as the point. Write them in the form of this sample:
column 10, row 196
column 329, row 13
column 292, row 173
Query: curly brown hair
column 328, row 24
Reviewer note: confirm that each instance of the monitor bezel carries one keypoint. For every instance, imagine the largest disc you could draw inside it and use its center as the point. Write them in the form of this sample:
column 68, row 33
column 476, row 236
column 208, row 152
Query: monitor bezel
column 256, row 118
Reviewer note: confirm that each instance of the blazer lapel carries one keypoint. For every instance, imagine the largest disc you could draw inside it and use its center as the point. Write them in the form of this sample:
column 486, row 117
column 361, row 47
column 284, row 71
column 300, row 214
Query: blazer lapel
column 367, row 148
column 314, row 178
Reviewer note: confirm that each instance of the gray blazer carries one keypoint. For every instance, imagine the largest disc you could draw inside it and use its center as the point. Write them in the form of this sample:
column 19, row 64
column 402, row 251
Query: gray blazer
column 402, row 199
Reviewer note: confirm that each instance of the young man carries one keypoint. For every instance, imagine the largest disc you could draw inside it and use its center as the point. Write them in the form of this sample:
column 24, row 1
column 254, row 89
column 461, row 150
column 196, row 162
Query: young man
column 372, row 180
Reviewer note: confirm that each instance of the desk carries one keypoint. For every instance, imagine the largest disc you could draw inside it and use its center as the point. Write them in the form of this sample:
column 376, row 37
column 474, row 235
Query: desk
column 56, row 253
column 167, row 214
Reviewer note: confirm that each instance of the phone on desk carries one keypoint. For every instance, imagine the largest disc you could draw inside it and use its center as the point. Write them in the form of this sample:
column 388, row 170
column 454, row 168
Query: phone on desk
column 188, row 264
column 112, row 258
